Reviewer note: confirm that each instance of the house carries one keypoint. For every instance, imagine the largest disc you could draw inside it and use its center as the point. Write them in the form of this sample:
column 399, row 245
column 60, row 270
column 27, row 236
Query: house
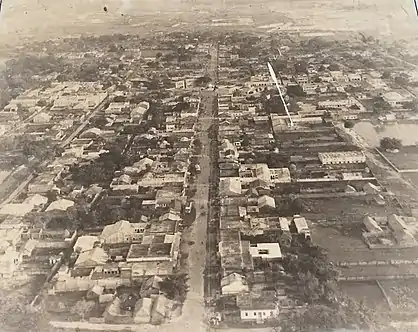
column 331, row 104
column 138, row 112
column 142, row 312
column 227, row 150
column 21, row 209
column 171, row 216
column 266, row 202
column 265, row 251
column 396, row 100
column 42, row 184
column 115, row 315
column 301, row 226
column 354, row 78
column 280, row 175
column 85, row 243
column 89, row 260
column 257, row 308
column 343, row 157
column 371, row 225
column 42, row 117
column 180, row 84
column 155, row 248
column 402, row 233
column 161, row 310
column 230, row 186
column 60, row 205
column 117, row 108
column 252, row 172
column 144, row 164
column 234, row 283
column 121, row 232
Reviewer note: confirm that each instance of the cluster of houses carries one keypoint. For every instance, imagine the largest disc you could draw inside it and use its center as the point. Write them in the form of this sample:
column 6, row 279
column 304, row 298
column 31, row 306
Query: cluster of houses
column 56, row 114
column 279, row 179
column 281, row 176
column 83, row 120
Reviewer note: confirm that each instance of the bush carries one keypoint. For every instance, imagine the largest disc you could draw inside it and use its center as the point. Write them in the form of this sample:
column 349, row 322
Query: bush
column 348, row 124
column 390, row 143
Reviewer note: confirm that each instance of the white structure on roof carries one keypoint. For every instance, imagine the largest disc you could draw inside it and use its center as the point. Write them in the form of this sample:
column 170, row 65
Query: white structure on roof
column 346, row 157
column 265, row 250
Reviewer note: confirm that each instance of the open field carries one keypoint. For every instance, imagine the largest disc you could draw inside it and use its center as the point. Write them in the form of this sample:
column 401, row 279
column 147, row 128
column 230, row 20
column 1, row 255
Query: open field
column 373, row 134
column 369, row 292
column 406, row 159
column 403, row 294
column 43, row 19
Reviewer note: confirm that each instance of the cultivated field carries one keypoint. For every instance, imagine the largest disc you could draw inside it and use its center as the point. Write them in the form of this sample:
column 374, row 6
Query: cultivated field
column 43, row 19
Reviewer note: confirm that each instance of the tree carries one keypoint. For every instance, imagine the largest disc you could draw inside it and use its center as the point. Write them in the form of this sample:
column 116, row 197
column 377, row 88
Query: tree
column 295, row 91
column 301, row 67
column 175, row 287
column 245, row 140
column 390, row 143
column 379, row 104
column 334, row 67
column 203, row 80
column 348, row 124
column 346, row 313
column 82, row 308
column 16, row 315
column 386, row 74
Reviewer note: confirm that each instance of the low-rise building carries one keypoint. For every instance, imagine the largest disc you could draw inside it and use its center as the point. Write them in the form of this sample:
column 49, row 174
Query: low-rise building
column 397, row 100
column 346, row 157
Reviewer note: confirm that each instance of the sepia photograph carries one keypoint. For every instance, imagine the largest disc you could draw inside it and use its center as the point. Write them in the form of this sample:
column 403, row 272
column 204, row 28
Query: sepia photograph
column 209, row 166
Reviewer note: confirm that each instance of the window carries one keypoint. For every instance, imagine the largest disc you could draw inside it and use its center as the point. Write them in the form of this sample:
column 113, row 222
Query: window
column 264, row 313
column 246, row 314
column 255, row 314
column 263, row 252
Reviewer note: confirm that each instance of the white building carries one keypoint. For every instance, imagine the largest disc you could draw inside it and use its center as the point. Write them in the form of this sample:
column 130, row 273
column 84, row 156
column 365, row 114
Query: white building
column 395, row 99
column 265, row 250
column 301, row 226
column 258, row 309
column 335, row 103
column 346, row 157
column 234, row 283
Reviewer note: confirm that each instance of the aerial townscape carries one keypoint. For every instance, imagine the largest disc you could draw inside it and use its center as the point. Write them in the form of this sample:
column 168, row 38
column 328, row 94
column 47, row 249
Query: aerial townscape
column 206, row 179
